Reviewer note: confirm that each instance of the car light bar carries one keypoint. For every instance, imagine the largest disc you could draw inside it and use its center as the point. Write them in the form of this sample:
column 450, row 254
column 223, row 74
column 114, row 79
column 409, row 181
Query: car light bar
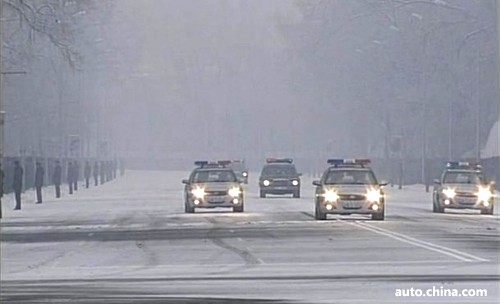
column 224, row 162
column 342, row 161
column 204, row 164
column 279, row 160
column 462, row 164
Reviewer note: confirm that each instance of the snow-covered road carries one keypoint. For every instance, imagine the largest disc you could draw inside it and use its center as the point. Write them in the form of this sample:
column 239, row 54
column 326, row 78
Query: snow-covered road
column 129, row 241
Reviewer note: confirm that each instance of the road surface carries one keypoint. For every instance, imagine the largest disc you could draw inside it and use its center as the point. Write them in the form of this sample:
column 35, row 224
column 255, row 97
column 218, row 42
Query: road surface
column 129, row 241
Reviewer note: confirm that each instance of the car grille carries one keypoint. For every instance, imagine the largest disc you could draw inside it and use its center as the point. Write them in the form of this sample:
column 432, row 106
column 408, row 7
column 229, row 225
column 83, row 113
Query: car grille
column 352, row 197
column 465, row 194
column 280, row 183
column 216, row 193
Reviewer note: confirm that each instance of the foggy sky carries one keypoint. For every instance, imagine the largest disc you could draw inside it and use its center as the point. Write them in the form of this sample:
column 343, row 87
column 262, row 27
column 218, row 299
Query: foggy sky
column 256, row 78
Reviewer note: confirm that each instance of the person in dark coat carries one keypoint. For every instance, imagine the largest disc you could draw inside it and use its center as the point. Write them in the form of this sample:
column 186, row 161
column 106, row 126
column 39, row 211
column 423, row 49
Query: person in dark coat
column 95, row 172
column 17, row 183
column 69, row 177
column 57, row 178
column 39, row 176
column 86, row 172
column 76, row 175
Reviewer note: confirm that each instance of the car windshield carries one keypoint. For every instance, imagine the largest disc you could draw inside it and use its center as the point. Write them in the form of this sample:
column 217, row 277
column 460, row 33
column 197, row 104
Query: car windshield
column 357, row 177
column 462, row 178
column 214, row 176
column 279, row 170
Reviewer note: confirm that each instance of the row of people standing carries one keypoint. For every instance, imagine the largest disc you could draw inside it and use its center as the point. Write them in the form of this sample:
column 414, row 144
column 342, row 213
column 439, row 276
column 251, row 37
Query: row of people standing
column 102, row 172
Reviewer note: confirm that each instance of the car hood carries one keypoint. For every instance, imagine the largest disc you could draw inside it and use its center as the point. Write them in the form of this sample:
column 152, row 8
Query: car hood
column 222, row 186
column 351, row 189
column 469, row 188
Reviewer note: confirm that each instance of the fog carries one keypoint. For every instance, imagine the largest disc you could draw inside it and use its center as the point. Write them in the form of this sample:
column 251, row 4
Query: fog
column 167, row 82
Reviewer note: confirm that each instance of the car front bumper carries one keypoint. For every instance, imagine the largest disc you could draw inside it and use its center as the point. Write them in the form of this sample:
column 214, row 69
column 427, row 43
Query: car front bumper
column 216, row 202
column 464, row 203
column 351, row 207
column 280, row 189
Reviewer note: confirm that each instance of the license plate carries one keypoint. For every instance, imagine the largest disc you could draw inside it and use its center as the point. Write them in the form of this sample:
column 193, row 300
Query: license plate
column 215, row 199
column 467, row 201
column 352, row 205
column 280, row 188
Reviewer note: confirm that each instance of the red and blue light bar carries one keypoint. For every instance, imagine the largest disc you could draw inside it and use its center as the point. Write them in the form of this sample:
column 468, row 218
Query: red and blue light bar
column 279, row 160
column 352, row 161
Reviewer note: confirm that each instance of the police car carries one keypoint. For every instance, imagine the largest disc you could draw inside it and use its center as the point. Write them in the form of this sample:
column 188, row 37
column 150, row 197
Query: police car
column 463, row 186
column 279, row 176
column 239, row 169
column 347, row 187
column 212, row 185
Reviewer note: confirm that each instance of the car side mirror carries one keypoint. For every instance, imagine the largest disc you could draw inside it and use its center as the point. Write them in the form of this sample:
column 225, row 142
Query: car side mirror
column 383, row 183
column 437, row 182
column 185, row 181
column 316, row 183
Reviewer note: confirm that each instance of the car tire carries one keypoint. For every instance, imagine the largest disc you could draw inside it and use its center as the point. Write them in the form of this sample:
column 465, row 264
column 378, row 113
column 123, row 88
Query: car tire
column 296, row 194
column 378, row 216
column 262, row 194
column 439, row 209
column 239, row 208
column 488, row 211
column 318, row 215
column 188, row 209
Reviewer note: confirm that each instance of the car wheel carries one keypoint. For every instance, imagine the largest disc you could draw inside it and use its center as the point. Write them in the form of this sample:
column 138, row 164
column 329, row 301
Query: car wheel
column 239, row 208
column 318, row 215
column 439, row 209
column 378, row 216
column 487, row 211
column 188, row 209
column 262, row 194
column 296, row 194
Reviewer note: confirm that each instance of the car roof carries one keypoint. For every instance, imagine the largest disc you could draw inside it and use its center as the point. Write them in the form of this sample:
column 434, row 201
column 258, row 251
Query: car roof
column 464, row 170
column 349, row 168
column 213, row 169
column 280, row 164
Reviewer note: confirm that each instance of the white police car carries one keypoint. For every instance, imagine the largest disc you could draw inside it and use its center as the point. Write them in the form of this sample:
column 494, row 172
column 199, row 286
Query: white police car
column 212, row 185
column 347, row 187
column 462, row 186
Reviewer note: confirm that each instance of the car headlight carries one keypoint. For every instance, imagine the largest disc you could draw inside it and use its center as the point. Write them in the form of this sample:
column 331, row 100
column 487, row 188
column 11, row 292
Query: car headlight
column 234, row 192
column 295, row 182
column 373, row 195
column 450, row 193
column 266, row 182
column 330, row 196
column 198, row 192
column 245, row 174
column 484, row 194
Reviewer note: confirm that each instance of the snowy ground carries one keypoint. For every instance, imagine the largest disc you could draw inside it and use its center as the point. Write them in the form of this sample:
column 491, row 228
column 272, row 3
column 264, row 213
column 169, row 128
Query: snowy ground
column 129, row 241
